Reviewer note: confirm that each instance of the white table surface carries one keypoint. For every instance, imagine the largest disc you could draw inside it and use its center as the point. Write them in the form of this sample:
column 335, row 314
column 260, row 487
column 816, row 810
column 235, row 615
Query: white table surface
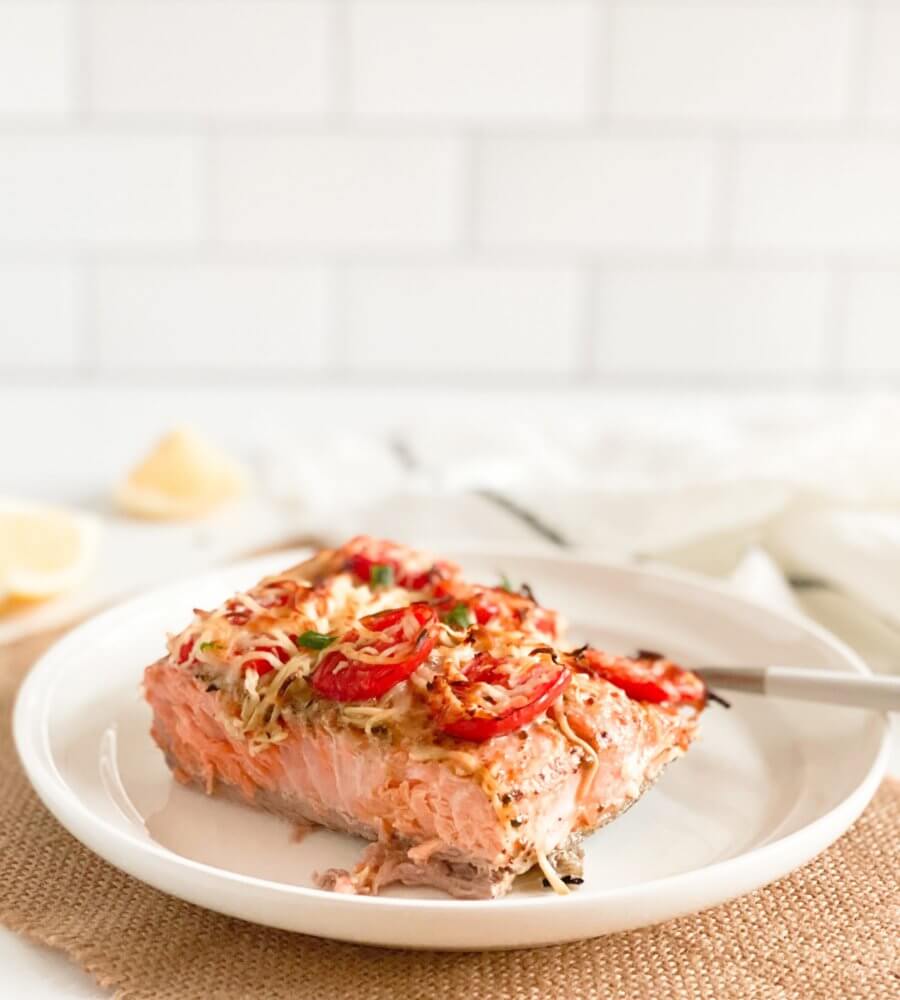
column 68, row 415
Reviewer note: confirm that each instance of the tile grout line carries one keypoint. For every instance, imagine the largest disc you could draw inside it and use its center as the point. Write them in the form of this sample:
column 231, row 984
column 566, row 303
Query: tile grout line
column 384, row 127
column 166, row 379
column 528, row 257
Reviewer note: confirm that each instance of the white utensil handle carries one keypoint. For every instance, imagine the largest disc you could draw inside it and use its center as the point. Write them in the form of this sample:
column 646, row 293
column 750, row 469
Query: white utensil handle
column 882, row 693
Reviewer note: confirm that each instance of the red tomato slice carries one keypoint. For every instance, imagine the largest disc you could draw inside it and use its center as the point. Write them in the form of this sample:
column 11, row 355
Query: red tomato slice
column 343, row 678
column 361, row 566
column 653, row 679
column 490, row 603
column 185, row 650
column 366, row 553
column 545, row 621
column 484, row 607
column 468, row 715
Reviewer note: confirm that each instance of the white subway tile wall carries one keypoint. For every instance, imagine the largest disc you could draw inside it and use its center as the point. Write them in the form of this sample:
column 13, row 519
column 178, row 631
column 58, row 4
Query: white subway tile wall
column 519, row 60
column 883, row 79
column 233, row 59
column 39, row 311
column 711, row 321
column 732, row 62
column 873, row 321
column 264, row 318
column 465, row 319
column 829, row 196
column 596, row 193
column 653, row 191
column 35, row 57
column 85, row 189
column 340, row 191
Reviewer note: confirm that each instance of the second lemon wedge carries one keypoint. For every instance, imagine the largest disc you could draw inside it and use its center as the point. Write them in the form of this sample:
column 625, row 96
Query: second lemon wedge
column 183, row 476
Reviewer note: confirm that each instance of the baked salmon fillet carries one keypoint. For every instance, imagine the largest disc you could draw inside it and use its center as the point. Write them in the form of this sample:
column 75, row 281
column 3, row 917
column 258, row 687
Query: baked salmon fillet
column 373, row 690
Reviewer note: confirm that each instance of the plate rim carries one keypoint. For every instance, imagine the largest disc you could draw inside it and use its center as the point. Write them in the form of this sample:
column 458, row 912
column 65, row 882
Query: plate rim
column 61, row 800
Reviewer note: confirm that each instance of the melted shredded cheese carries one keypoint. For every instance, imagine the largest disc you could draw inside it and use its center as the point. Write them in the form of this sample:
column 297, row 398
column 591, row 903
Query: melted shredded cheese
column 258, row 627
column 368, row 717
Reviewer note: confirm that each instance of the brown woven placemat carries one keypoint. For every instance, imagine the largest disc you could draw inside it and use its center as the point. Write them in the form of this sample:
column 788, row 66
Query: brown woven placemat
column 829, row 930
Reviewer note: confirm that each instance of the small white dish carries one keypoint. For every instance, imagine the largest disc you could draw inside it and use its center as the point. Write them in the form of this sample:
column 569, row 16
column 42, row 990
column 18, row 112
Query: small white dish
column 768, row 786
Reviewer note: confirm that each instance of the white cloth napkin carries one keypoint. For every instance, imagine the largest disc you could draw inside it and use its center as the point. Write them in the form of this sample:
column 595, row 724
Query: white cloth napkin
column 812, row 496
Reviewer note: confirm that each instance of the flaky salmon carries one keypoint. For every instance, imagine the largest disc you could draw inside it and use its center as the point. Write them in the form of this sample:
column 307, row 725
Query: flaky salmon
column 374, row 690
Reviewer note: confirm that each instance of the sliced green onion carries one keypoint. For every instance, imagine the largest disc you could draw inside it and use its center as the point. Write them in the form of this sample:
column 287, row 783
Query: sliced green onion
column 459, row 618
column 381, row 575
column 206, row 646
column 315, row 640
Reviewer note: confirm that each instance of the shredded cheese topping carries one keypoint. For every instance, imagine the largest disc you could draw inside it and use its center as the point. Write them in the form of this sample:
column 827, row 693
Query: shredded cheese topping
column 248, row 646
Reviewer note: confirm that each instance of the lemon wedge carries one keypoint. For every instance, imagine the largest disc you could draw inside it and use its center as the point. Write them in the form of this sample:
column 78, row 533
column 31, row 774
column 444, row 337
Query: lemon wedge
column 183, row 476
column 44, row 551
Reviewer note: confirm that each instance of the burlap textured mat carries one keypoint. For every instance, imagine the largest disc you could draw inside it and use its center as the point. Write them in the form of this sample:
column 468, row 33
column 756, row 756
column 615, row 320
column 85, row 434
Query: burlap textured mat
column 830, row 930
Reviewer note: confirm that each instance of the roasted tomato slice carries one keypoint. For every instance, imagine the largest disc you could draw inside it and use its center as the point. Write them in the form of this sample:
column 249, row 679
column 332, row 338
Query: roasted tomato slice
column 512, row 610
column 647, row 678
column 383, row 563
column 486, row 605
column 472, row 708
column 387, row 648
column 546, row 621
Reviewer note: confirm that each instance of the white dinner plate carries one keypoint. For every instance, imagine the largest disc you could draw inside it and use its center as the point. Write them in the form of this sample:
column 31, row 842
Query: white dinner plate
column 768, row 785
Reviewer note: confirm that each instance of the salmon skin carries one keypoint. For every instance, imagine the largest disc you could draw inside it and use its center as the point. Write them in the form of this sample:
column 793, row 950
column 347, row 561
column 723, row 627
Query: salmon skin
column 373, row 690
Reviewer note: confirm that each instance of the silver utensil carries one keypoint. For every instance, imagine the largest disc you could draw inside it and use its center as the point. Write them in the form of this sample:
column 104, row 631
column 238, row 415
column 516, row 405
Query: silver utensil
column 850, row 690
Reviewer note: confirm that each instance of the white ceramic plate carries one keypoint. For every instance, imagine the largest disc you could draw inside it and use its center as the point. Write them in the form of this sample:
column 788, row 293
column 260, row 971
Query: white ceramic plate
column 768, row 786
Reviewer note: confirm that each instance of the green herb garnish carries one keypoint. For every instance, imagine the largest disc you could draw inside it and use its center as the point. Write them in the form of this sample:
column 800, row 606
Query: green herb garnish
column 459, row 618
column 506, row 584
column 206, row 646
column 315, row 640
column 381, row 575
